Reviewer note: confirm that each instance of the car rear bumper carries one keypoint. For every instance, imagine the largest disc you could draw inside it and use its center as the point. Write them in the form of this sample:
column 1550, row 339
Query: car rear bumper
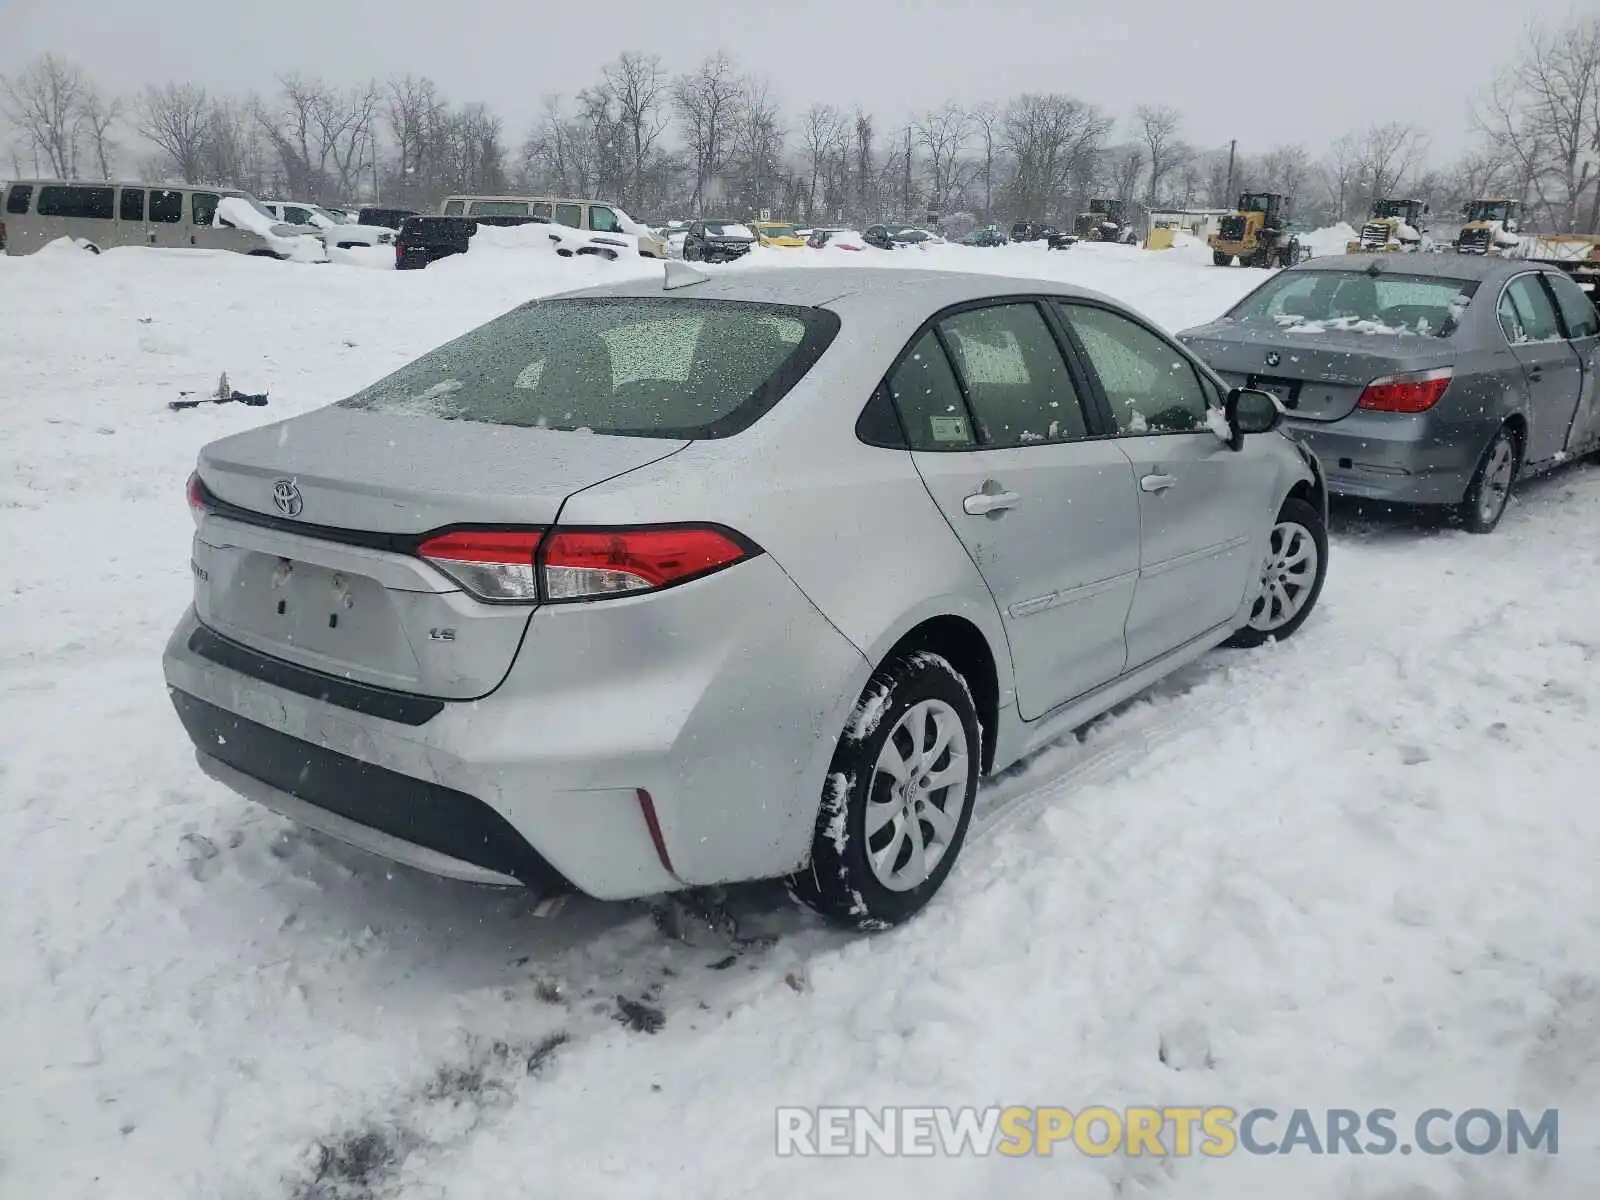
column 1395, row 457
column 716, row 700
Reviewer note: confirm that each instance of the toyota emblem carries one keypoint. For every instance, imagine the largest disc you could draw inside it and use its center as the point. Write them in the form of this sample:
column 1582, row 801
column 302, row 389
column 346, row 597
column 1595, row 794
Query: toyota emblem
column 286, row 497
column 1273, row 358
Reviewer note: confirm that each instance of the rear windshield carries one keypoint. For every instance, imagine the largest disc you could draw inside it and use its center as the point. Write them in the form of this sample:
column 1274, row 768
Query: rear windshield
column 1393, row 305
column 667, row 368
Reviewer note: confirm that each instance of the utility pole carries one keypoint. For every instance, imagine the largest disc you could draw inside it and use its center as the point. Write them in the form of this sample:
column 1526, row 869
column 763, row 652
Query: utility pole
column 1233, row 147
column 905, row 203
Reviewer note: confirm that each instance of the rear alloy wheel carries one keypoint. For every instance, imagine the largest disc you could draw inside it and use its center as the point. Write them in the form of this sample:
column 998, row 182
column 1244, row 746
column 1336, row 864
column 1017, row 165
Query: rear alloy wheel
column 898, row 797
column 1291, row 576
column 1490, row 490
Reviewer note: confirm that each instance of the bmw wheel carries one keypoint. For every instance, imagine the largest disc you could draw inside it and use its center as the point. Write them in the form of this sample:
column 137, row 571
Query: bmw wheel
column 1490, row 490
column 898, row 796
column 1291, row 579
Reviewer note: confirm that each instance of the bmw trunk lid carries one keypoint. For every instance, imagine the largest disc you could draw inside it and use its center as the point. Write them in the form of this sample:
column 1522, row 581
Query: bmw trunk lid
column 307, row 551
column 1318, row 375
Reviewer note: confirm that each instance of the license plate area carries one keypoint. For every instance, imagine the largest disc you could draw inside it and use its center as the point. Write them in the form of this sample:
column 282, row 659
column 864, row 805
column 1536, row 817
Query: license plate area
column 330, row 618
column 1286, row 390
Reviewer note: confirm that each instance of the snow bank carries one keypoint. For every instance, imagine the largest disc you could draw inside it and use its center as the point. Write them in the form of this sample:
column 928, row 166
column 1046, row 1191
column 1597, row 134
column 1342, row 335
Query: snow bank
column 1331, row 239
column 1344, row 871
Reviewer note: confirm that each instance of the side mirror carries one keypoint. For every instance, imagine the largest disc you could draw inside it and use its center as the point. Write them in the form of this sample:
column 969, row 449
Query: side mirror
column 1250, row 410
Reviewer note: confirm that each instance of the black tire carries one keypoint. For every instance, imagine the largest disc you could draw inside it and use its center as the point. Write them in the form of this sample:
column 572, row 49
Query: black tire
column 91, row 248
column 1219, row 259
column 839, row 882
column 1294, row 513
column 1487, row 495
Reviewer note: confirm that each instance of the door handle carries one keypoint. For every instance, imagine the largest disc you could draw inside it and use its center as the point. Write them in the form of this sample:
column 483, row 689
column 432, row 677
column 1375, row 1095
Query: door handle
column 1156, row 483
column 980, row 503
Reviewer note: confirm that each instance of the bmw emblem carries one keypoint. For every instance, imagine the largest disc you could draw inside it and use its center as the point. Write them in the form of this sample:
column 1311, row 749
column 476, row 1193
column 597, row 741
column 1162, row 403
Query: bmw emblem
column 286, row 498
column 1273, row 358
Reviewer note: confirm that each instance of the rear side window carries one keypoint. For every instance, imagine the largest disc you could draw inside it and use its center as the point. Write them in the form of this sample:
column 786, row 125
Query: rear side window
column 570, row 215
column 453, row 208
column 19, row 198
column 1526, row 313
column 83, row 203
column 1577, row 310
column 166, row 207
column 498, row 208
column 603, row 220
column 541, row 210
column 1015, row 377
column 636, row 367
column 131, row 205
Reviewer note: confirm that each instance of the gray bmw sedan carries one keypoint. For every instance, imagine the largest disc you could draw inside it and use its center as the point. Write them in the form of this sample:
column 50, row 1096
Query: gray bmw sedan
column 1421, row 379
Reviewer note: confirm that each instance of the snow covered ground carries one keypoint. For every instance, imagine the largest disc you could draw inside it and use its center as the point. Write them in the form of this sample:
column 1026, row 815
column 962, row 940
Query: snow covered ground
column 1355, row 870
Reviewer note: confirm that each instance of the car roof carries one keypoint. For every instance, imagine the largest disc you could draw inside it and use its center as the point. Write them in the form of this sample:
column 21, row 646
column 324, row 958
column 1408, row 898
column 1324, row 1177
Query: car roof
column 1437, row 266
column 839, row 287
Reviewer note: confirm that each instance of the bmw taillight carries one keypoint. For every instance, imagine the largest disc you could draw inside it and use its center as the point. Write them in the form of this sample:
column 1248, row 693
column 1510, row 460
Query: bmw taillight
column 564, row 565
column 1415, row 392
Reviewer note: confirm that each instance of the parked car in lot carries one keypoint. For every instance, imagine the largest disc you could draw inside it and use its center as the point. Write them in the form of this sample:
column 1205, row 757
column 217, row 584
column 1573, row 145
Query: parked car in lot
column 676, row 583
column 102, row 216
column 988, row 235
column 717, row 241
column 345, row 235
column 388, row 218
column 1422, row 380
column 427, row 239
column 591, row 215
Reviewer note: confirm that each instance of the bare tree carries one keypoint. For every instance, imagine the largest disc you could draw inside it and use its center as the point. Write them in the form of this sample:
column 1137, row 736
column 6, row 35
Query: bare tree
column 97, row 114
column 346, row 124
column 819, row 134
column 45, row 102
column 758, row 143
column 944, row 135
column 1130, row 169
column 1544, row 112
column 867, row 191
column 175, row 118
column 1158, row 126
column 1053, row 139
column 706, row 101
column 1285, row 170
column 639, row 85
column 986, row 120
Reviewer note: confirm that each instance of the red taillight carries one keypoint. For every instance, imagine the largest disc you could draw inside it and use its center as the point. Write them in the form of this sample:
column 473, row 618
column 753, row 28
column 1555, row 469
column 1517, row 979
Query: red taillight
column 524, row 565
column 198, row 500
column 493, row 564
column 587, row 564
column 1413, row 393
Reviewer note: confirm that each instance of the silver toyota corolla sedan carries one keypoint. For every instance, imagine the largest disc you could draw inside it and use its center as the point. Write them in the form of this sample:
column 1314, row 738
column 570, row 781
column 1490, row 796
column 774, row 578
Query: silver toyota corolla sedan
column 1425, row 378
column 679, row 583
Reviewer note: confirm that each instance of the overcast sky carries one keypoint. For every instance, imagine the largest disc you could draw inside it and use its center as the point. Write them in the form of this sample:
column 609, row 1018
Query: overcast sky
column 1262, row 71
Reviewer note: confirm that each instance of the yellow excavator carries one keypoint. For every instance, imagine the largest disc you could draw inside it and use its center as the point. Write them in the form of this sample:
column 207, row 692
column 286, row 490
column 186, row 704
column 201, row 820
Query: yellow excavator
column 1392, row 226
column 1257, row 234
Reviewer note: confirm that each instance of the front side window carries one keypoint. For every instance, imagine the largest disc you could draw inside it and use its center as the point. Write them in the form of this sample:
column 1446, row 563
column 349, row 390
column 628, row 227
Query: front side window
column 643, row 367
column 928, row 398
column 1391, row 305
column 1577, row 310
column 296, row 215
column 203, row 208
column 166, row 207
column 1015, row 378
column 603, row 220
column 1526, row 314
column 1149, row 385
column 540, row 210
column 570, row 215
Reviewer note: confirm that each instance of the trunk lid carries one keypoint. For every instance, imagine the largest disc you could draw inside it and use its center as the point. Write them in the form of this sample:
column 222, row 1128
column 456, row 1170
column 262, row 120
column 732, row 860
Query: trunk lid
column 1318, row 375
column 310, row 558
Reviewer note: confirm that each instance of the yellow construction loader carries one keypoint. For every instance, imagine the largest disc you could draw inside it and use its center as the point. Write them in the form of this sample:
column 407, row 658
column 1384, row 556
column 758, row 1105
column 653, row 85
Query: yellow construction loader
column 1493, row 227
column 1392, row 226
column 1257, row 234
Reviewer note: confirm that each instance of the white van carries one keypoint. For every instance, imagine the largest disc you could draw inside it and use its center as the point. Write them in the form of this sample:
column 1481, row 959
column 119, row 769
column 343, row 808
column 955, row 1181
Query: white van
column 103, row 215
column 345, row 234
column 590, row 215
